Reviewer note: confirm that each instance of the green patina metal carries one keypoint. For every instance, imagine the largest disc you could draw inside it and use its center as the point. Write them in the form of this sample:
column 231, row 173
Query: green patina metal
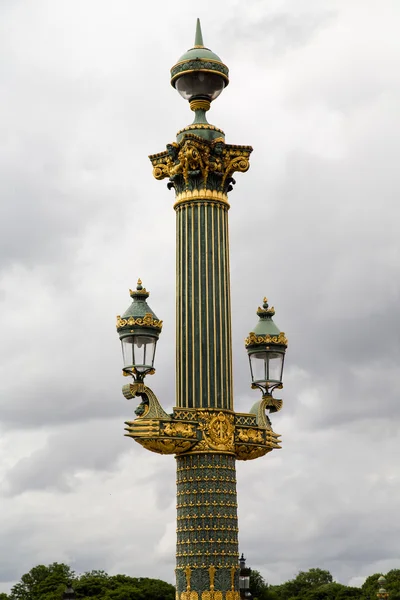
column 265, row 331
column 201, row 128
column 139, row 317
column 207, row 526
column 266, row 325
column 203, row 432
column 204, row 359
column 198, row 59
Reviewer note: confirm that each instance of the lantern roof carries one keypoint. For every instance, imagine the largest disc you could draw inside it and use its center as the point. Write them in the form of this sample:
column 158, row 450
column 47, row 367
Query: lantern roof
column 139, row 313
column 266, row 331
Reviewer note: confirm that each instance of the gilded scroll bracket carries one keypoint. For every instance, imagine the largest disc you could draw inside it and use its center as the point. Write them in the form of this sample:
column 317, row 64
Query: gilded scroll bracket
column 198, row 431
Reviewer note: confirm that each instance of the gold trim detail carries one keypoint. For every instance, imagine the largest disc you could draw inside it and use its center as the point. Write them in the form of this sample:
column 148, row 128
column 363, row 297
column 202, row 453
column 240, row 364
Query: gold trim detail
column 189, row 594
column 255, row 340
column 179, row 428
column 201, row 195
column 211, row 594
column 250, row 435
column 232, row 594
column 147, row 321
column 208, row 431
column 188, row 60
column 250, row 452
column 266, row 311
column 162, row 446
column 202, row 126
column 139, row 292
column 194, row 154
column 214, row 71
column 218, row 430
column 200, row 105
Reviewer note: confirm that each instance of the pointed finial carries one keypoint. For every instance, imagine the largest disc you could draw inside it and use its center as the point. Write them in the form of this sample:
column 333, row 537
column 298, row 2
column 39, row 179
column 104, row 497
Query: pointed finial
column 198, row 40
column 265, row 311
column 140, row 291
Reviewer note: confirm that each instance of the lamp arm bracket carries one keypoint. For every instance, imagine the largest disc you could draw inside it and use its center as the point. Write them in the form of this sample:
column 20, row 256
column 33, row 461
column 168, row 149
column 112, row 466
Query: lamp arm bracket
column 150, row 407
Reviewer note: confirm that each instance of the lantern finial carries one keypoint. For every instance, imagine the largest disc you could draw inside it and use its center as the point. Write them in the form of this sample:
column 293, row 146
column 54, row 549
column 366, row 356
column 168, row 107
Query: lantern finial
column 198, row 40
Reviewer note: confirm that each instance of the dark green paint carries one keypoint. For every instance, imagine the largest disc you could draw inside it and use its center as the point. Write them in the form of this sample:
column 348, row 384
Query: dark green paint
column 199, row 59
column 198, row 39
column 207, row 358
column 206, row 484
column 137, row 310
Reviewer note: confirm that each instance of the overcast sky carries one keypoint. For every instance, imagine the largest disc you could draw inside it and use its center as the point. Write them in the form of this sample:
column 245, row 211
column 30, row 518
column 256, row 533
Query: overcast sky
column 84, row 99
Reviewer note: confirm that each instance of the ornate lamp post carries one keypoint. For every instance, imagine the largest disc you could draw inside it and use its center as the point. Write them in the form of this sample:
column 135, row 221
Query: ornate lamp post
column 69, row 593
column 382, row 594
column 204, row 432
column 244, row 579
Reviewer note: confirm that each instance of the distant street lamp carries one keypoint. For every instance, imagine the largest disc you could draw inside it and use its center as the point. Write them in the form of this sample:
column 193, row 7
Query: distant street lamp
column 69, row 593
column 244, row 579
column 382, row 594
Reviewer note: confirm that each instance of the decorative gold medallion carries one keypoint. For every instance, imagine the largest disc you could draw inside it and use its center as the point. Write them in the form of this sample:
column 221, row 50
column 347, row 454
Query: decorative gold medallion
column 218, row 430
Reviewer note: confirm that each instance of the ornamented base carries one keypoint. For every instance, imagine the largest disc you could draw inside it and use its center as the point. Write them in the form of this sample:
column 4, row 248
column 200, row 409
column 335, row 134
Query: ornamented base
column 207, row 528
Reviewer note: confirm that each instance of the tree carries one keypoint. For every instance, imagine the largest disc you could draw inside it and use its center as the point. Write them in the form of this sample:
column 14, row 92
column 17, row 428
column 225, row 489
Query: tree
column 393, row 584
column 93, row 584
column 326, row 591
column 370, row 585
column 349, row 593
column 303, row 583
column 258, row 586
column 42, row 583
column 3, row 596
column 48, row 583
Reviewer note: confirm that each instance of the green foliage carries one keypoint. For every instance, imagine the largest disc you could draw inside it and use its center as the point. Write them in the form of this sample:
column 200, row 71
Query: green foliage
column 258, row 586
column 42, row 583
column 370, row 585
column 393, row 584
column 48, row 583
column 304, row 583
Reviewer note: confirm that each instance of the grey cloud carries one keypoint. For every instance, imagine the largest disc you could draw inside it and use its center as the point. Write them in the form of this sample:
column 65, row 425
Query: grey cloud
column 277, row 33
column 313, row 226
column 94, row 446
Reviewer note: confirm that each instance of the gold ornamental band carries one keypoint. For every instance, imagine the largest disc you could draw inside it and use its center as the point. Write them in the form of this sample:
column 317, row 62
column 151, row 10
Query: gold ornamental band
column 202, row 126
column 200, row 105
column 202, row 196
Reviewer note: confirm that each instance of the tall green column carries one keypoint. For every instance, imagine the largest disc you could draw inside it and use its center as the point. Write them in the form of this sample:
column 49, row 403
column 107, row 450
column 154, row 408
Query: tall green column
column 203, row 325
column 200, row 167
column 204, row 432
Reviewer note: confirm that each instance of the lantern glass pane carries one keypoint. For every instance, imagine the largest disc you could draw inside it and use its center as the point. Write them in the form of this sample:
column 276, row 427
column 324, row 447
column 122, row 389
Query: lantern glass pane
column 128, row 351
column 145, row 347
column 275, row 365
column 258, row 366
column 208, row 85
column 138, row 352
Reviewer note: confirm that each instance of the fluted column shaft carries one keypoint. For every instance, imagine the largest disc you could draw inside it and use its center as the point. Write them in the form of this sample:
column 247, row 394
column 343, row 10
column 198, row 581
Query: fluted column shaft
column 203, row 321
